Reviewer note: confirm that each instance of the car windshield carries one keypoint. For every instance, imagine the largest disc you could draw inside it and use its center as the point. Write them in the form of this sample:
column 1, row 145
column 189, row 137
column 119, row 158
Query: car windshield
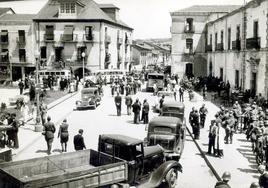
column 88, row 92
column 166, row 144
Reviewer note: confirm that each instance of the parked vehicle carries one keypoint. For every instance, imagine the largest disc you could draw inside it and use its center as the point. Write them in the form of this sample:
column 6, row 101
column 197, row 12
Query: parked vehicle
column 108, row 73
column 169, row 96
column 90, row 97
column 145, row 164
column 89, row 168
column 168, row 132
column 173, row 109
column 155, row 78
column 54, row 72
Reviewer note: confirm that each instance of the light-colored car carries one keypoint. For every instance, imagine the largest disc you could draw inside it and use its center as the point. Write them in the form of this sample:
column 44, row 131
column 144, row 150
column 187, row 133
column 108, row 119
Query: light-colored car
column 169, row 96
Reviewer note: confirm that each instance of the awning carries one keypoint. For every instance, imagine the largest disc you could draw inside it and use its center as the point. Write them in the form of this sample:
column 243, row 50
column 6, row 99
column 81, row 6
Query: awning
column 3, row 33
column 68, row 30
column 4, row 53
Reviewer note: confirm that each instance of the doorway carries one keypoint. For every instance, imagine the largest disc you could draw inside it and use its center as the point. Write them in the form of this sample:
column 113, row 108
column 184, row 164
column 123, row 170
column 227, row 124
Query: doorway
column 189, row 70
column 253, row 86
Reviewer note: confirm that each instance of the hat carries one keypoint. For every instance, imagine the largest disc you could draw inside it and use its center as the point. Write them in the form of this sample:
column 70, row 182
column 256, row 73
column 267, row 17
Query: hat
column 81, row 131
column 226, row 176
column 261, row 168
column 65, row 120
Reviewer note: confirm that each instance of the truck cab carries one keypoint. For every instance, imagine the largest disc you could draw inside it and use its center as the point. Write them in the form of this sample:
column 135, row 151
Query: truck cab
column 142, row 161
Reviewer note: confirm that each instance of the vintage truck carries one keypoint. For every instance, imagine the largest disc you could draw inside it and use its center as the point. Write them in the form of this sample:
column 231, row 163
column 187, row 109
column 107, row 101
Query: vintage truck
column 121, row 161
column 90, row 98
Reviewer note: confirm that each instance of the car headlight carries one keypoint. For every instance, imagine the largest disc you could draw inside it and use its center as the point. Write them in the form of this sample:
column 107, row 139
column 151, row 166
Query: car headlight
column 78, row 102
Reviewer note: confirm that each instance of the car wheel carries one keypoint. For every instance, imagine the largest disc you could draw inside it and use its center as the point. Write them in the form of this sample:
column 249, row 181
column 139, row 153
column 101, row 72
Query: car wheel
column 171, row 178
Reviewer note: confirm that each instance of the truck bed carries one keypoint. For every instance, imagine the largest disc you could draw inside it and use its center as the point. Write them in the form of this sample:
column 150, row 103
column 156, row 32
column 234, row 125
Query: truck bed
column 87, row 168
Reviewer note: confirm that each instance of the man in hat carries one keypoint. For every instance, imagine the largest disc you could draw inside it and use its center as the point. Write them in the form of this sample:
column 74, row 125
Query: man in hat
column 136, row 108
column 118, row 103
column 49, row 130
column 79, row 143
column 64, row 135
column 226, row 177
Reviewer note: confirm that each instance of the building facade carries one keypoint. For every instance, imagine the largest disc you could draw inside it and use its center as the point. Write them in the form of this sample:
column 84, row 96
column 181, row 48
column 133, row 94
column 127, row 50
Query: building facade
column 231, row 40
column 65, row 35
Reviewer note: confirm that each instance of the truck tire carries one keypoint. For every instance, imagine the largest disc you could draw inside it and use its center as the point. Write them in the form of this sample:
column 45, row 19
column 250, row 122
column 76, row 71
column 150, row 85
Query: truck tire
column 171, row 178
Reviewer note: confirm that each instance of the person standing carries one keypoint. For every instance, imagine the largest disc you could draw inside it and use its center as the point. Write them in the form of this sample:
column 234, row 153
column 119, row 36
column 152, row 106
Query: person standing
column 118, row 103
column 79, row 143
column 145, row 111
column 43, row 112
column 191, row 119
column 13, row 132
column 219, row 141
column 263, row 179
column 49, row 130
column 161, row 101
column 136, row 108
column 24, row 112
column 203, row 113
column 205, row 92
column 212, row 136
column 64, row 135
column 128, row 103
column 196, row 124
column 181, row 91
column 21, row 86
column 226, row 177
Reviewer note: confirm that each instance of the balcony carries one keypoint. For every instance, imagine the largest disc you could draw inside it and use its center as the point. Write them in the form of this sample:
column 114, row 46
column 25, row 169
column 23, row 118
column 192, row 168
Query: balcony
column 236, row 45
column 49, row 37
column 253, row 43
column 69, row 37
column 21, row 40
column 188, row 29
column 107, row 39
column 219, row 47
column 88, row 38
column 209, row 48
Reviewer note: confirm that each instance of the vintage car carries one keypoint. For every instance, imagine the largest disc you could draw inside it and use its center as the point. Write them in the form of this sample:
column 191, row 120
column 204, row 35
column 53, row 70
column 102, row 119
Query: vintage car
column 168, row 132
column 90, row 98
column 142, row 161
column 173, row 109
column 169, row 96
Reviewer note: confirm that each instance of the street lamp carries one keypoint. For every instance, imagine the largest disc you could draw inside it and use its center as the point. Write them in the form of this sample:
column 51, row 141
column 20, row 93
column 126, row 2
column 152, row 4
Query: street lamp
column 83, row 56
column 38, row 126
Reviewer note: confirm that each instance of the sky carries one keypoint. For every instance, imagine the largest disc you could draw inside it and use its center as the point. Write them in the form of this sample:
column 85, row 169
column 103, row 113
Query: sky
column 148, row 18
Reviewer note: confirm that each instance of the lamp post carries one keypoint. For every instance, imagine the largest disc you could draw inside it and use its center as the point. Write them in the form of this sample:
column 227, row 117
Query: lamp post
column 10, row 63
column 83, row 56
column 38, row 126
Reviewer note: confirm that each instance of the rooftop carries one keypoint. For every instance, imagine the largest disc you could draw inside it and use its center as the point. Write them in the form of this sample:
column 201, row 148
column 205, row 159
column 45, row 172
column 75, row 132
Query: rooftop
column 17, row 17
column 210, row 8
column 5, row 10
column 165, row 120
column 121, row 139
column 108, row 6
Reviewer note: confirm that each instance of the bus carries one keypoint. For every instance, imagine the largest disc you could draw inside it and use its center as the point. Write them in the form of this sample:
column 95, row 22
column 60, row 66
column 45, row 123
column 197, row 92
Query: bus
column 155, row 78
column 56, row 73
column 108, row 73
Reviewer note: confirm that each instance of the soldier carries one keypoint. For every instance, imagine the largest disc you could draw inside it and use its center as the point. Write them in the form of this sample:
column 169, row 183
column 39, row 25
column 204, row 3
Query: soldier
column 21, row 86
column 145, row 111
column 13, row 133
column 191, row 119
column 136, row 108
column 263, row 179
column 128, row 103
column 79, row 143
column 230, row 123
column 212, row 136
column 64, row 135
column 203, row 113
column 118, row 104
column 226, row 177
column 49, row 130
column 196, row 125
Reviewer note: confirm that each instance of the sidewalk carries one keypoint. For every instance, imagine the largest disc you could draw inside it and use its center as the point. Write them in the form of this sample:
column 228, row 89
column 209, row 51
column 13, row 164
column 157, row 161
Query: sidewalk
column 27, row 135
column 238, row 158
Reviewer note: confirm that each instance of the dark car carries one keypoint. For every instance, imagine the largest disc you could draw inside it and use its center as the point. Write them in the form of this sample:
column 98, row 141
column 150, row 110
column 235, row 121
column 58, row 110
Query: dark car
column 173, row 109
column 90, row 97
column 142, row 161
column 168, row 132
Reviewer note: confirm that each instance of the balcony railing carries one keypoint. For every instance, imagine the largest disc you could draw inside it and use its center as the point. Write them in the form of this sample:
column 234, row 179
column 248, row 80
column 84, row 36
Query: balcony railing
column 88, row 38
column 49, row 37
column 69, row 37
column 188, row 29
column 107, row 39
column 21, row 40
column 219, row 47
column 253, row 43
column 209, row 48
column 236, row 45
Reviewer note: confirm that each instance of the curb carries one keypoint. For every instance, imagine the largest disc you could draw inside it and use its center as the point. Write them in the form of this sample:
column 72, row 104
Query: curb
column 205, row 157
column 40, row 136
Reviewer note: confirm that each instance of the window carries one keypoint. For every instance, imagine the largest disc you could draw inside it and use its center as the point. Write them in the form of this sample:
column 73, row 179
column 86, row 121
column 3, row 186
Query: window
column 4, row 36
column 238, row 32
column 68, row 33
column 229, row 38
column 236, row 78
column 4, row 55
column 43, row 52
column 189, row 44
column 72, row 7
column 62, row 8
column 210, row 39
column 189, row 24
column 221, row 73
column 221, row 36
column 88, row 32
column 67, row 7
column 255, row 29
column 49, row 32
column 216, row 40
column 21, row 36
column 22, row 55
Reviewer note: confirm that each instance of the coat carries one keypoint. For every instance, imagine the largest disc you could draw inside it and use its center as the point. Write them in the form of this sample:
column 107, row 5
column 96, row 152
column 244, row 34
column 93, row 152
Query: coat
column 219, row 142
column 146, row 107
column 79, row 142
column 136, row 107
column 49, row 130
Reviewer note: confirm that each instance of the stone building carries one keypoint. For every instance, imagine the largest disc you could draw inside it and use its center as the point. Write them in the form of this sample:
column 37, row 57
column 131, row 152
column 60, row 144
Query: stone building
column 60, row 33
column 66, row 29
column 188, row 32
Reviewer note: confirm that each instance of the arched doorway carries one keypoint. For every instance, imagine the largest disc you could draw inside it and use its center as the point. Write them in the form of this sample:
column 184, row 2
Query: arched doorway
column 79, row 72
column 189, row 70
